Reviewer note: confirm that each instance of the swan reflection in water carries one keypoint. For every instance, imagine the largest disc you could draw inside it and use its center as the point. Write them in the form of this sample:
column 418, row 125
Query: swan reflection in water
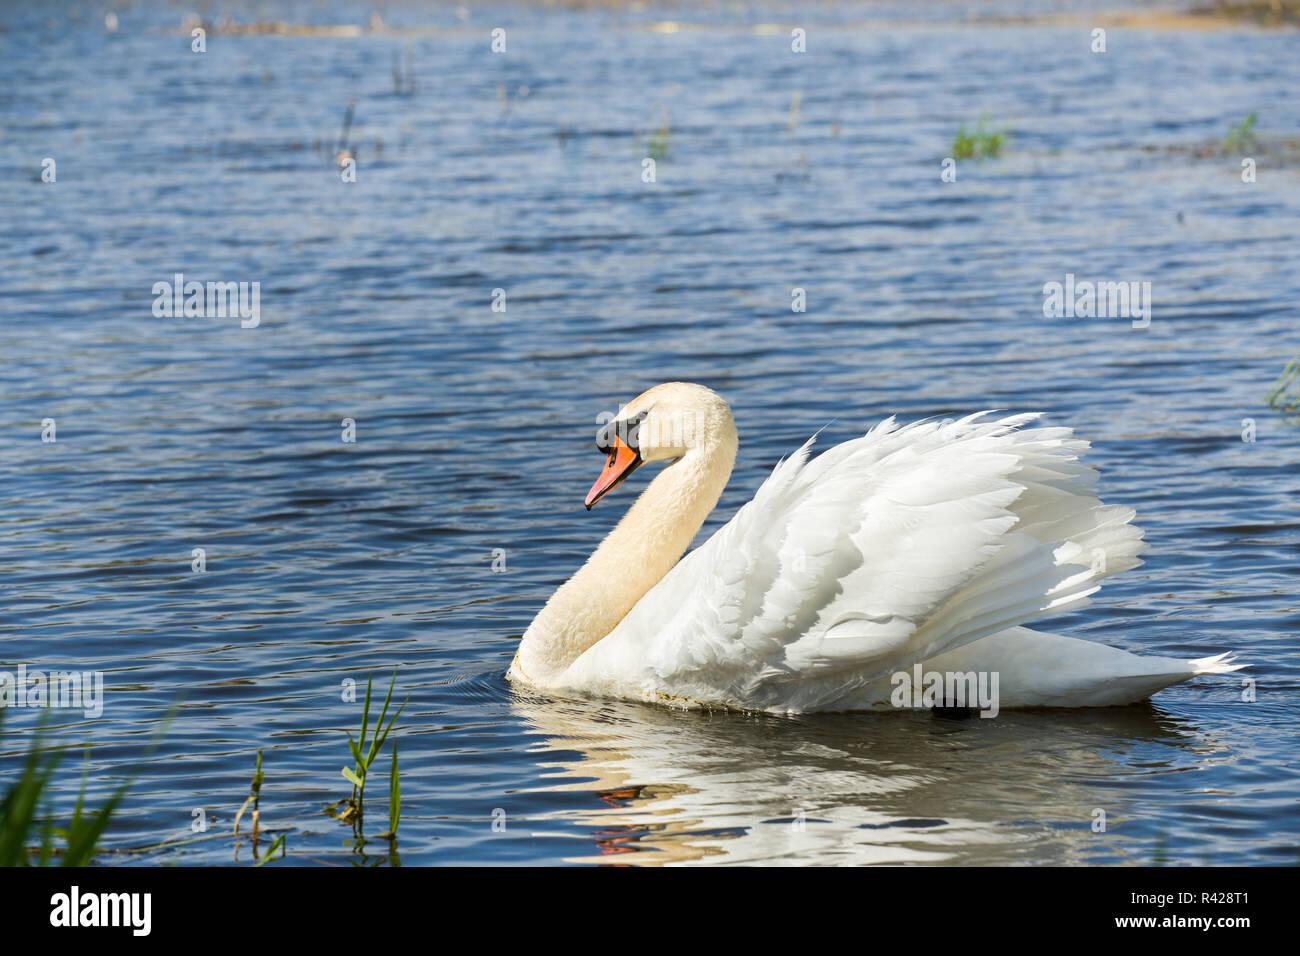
column 670, row 786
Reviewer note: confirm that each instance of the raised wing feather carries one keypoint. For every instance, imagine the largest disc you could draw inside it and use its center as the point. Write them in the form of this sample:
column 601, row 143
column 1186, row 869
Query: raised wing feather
column 883, row 551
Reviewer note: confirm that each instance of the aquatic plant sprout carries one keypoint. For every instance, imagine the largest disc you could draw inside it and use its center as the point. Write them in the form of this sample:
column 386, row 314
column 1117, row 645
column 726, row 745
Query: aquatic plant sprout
column 1242, row 136
column 1285, row 393
column 983, row 143
column 365, row 757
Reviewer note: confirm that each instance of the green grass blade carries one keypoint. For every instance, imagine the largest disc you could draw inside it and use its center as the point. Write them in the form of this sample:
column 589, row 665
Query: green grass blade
column 394, row 795
column 387, row 730
column 356, row 749
column 365, row 714
column 18, row 809
column 377, row 743
column 47, row 838
column 241, row 812
column 278, row 842
column 83, row 839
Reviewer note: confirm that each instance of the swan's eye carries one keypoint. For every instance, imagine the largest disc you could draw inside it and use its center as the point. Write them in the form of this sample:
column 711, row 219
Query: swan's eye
column 628, row 429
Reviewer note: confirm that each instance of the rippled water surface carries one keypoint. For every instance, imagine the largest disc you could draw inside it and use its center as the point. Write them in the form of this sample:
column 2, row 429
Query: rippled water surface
column 327, row 561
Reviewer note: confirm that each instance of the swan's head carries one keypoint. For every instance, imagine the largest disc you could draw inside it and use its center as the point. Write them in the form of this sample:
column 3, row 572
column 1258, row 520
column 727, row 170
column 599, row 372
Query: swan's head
column 666, row 423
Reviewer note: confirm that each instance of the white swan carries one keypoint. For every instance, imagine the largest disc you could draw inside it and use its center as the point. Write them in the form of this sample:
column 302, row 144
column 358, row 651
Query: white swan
column 928, row 544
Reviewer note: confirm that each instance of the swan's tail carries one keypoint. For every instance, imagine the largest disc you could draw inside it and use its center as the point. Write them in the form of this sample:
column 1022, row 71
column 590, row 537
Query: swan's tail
column 1218, row 664
column 1038, row 669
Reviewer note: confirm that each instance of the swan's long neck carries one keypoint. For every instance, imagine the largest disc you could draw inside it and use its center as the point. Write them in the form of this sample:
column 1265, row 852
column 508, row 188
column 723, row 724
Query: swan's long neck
column 642, row 548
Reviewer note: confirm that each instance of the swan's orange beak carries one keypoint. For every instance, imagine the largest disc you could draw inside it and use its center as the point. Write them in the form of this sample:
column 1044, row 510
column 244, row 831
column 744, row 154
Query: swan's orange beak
column 622, row 462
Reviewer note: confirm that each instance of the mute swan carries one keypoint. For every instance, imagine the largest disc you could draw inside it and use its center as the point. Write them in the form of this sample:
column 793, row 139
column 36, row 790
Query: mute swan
column 929, row 543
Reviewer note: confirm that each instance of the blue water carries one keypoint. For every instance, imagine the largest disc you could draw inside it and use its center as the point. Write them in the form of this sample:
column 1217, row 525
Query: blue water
column 327, row 561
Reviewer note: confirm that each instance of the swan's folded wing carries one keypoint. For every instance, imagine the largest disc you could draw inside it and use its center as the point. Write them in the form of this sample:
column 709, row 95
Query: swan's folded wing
column 879, row 553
